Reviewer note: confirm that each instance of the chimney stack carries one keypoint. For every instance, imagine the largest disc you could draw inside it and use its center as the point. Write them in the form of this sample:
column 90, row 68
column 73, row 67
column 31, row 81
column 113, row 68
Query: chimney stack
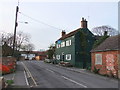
column 63, row 33
column 83, row 23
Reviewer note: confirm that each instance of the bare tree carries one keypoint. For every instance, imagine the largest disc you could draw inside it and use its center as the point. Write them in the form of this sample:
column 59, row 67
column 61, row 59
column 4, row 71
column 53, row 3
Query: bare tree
column 101, row 29
column 21, row 39
column 6, row 38
column 28, row 47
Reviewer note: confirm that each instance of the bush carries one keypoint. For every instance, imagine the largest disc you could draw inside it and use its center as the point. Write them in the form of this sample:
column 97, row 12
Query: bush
column 88, row 68
column 96, row 70
column 9, row 82
column 47, row 60
column 66, row 64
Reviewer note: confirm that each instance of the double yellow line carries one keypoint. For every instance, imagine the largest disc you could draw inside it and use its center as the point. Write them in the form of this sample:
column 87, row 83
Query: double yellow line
column 29, row 73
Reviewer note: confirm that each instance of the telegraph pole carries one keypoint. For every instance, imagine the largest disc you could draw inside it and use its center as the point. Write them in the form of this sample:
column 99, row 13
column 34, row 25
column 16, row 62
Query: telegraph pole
column 16, row 24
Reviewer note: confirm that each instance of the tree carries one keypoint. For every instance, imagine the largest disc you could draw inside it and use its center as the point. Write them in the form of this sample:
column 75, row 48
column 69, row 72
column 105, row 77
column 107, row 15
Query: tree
column 22, row 43
column 28, row 48
column 21, row 39
column 101, row 29
column 51, row 51
column 98, row 42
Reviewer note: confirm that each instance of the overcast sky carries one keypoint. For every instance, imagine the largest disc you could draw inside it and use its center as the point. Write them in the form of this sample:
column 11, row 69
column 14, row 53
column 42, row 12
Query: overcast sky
column 62, row 15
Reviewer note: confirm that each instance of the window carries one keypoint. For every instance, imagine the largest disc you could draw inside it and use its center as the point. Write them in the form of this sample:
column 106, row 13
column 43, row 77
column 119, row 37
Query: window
column 68, row 57
column 58, row 45
column 68, row 42
column 98, row 59
column 58, row 57
column 63, row 44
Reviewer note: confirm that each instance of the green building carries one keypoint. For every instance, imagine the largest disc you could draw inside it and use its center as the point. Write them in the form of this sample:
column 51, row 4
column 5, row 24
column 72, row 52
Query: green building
column 75, row 46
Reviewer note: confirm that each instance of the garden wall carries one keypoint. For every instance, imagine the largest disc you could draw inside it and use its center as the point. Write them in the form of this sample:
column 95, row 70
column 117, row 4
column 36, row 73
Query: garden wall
column 7, row 65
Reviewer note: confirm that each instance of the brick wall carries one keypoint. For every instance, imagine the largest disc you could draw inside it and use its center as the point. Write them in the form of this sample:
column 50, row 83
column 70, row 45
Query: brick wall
column 103, row 67
column 6, row 60
column 8, row 64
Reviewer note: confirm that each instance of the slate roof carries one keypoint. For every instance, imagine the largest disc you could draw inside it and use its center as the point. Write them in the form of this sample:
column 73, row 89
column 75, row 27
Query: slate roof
column 111, row 43
column 73, row 33
column 69, row 34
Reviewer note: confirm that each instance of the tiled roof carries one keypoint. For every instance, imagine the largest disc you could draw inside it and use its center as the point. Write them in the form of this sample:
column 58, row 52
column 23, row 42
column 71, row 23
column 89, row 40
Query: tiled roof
column 69, row 34
column 111, row 43
column 73, row 33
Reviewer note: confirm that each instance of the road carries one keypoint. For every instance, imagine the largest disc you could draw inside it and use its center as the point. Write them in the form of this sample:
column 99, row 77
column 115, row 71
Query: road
column 44, row 75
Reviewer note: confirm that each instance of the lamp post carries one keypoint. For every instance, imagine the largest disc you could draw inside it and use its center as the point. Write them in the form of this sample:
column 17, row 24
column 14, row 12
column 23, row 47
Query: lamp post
column 16, row 24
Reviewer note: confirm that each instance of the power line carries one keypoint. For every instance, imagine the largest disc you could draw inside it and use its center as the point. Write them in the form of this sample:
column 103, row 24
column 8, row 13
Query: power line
column 39, row 21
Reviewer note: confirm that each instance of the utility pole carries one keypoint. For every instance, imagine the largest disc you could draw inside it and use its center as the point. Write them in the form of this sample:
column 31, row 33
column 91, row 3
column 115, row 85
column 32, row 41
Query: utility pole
column 16, row 24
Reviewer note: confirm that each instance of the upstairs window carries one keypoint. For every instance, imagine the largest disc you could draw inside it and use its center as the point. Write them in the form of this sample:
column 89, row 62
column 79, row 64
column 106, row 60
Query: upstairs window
column 68, row 42
column 58, row 45
column 63, row 44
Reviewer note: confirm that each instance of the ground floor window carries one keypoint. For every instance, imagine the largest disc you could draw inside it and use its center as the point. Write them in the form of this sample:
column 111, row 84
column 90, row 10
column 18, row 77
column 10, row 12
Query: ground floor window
column 58, row 57
column 68, row 56
column 98, row 59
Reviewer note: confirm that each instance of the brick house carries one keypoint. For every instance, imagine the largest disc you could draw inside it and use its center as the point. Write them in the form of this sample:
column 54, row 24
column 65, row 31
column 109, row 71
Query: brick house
column 41, row 55
column 70, row 47
column 106, row 57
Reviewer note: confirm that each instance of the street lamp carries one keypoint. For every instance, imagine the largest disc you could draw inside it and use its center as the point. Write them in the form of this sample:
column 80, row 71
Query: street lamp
column 23, row 22
column 16, row 24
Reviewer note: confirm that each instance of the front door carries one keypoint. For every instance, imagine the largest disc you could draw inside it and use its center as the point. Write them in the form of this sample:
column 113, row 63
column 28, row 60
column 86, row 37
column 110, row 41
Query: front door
column 63, row 56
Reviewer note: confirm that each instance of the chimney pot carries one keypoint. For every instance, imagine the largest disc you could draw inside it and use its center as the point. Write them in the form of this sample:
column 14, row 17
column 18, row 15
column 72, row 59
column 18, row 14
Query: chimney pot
column 83, row 23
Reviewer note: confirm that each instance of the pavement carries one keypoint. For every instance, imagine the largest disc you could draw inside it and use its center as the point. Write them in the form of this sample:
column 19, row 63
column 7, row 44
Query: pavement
column 18, row 77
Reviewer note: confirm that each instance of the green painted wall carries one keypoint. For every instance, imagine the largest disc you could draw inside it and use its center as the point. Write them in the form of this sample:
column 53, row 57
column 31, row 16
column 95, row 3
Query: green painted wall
column 75, row 49
column 67, row 50
column 83, row 60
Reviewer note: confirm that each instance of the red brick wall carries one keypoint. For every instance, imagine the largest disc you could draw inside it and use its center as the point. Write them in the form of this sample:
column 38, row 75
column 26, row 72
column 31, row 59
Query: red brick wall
column 6, row 60
column 103, row 69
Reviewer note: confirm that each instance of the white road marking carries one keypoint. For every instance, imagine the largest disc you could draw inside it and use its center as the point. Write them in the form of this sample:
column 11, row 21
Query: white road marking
column 29, row 73
column 74, row 82
column 13, row 77
column 26, row 78
column 50, row 70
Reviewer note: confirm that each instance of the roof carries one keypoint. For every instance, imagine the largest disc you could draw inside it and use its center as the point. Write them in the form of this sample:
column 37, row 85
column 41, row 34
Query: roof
column 97, row 37
column 69, row 34
column 110, row 43
column 72, row 33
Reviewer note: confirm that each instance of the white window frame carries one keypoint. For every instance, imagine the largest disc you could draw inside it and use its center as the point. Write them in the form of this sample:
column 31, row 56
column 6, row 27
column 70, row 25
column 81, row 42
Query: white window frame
column 68, row 42
column 63, row 44
column 58, row 57
column 68, row 55
column 57, row 45
column 98, row 59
